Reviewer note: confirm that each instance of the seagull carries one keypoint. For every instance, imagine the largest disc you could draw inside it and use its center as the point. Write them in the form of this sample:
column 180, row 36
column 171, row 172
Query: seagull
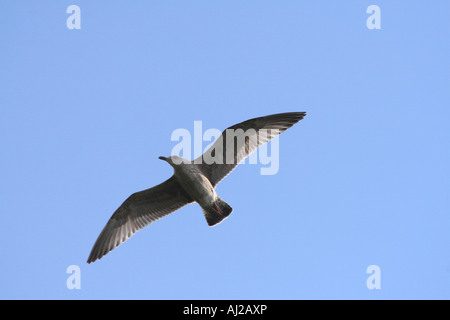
column 192, row 181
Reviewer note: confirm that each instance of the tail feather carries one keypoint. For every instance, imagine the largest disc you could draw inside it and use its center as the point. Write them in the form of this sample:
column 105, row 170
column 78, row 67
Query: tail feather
column 218, row 211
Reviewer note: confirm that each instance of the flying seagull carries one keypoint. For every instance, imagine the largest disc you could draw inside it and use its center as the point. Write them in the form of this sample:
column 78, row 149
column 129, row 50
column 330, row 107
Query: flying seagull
column 192, row 181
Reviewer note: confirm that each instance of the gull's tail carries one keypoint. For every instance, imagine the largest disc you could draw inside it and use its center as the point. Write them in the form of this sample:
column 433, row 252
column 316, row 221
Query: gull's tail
column 216, row 212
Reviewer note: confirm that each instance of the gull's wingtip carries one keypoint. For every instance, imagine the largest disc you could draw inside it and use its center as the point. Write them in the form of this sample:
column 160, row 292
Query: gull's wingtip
column 296, row 115
column 90, row 260
column 93, row 258
column 300, row 114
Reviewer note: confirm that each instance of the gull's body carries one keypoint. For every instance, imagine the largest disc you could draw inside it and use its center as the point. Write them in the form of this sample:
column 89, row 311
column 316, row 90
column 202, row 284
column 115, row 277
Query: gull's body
column 192, row 181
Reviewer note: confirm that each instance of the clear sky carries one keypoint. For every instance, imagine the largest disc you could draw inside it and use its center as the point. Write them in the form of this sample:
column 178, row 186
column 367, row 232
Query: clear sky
column 363, row 180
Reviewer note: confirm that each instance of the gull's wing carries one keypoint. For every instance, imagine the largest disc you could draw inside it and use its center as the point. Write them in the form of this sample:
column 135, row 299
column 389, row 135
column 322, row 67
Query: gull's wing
column 255, row 132
column 137, row 212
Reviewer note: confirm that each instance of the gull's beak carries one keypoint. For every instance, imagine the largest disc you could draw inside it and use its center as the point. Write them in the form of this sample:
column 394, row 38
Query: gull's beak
column 163, row 158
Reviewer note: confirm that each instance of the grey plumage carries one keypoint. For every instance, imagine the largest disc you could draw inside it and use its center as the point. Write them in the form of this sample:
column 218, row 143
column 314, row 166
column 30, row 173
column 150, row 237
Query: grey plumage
column 193, row 181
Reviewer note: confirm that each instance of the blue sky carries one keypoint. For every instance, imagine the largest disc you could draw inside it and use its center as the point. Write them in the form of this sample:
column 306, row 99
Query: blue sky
column 363, row 179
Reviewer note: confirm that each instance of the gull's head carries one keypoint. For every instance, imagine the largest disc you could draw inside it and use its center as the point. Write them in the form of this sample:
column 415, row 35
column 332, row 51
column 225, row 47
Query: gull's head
column 174, row 160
